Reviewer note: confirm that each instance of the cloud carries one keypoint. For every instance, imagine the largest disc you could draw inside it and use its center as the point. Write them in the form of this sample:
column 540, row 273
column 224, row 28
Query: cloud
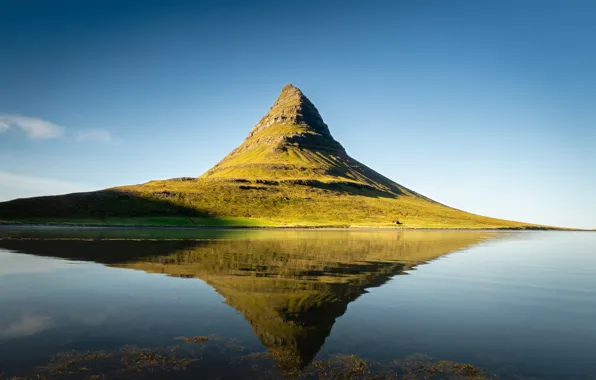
column 34, row 127
column 16, row 185
column 26, row 325
column 94, row 135
column 37, row 128
column 4, row 126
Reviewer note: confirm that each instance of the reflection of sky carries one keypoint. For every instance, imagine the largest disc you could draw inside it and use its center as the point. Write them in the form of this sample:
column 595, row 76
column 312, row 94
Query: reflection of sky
column 25, row 325
column 13, row 263
column 526, row 302
column 50, row 305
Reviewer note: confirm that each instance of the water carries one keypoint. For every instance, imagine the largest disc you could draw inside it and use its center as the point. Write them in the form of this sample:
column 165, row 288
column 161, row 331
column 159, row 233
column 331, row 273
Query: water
column 77, row 303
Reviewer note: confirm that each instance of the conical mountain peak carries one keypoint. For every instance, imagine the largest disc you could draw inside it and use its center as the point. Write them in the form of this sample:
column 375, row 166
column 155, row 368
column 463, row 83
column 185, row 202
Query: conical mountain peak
column 291, row 90
column 292, row 107
column 290, row 142
column 293, row 143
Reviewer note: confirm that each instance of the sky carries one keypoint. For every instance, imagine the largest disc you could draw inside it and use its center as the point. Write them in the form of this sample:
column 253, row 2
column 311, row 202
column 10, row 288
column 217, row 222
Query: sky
column 489, row 107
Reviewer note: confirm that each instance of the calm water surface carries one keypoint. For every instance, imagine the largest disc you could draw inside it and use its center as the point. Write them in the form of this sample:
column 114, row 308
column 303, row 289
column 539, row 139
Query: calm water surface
column 119, row 303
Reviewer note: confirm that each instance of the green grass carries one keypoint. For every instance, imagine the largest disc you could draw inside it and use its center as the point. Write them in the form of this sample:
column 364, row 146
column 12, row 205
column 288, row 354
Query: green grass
column 219, row 202
column 282, row 203
column 178, row 221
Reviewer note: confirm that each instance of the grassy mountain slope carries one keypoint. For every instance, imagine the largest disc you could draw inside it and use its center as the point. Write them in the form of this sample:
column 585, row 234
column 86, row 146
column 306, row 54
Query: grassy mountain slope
column 288, row 171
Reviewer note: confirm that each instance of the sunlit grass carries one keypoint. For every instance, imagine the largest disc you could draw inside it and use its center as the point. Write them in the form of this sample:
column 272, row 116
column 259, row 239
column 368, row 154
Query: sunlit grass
column 282, row 203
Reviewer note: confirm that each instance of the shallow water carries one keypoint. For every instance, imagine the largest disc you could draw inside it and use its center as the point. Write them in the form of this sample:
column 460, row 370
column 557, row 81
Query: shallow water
column 519, row 305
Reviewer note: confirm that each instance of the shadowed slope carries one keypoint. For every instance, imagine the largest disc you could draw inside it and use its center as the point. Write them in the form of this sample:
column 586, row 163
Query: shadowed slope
column 95, row 204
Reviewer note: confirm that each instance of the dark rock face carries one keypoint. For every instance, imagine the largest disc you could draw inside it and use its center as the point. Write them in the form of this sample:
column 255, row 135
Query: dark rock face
column 292, row 107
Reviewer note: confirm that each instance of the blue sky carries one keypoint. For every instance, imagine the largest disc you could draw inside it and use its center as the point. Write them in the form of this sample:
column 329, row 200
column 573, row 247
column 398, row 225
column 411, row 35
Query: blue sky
column 489, row 107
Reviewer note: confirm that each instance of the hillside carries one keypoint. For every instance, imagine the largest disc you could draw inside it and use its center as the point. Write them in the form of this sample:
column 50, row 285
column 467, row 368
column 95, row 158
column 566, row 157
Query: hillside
column 289, row 171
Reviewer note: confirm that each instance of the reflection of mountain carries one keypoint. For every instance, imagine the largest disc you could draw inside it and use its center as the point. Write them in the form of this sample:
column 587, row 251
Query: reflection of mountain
column 290, row 285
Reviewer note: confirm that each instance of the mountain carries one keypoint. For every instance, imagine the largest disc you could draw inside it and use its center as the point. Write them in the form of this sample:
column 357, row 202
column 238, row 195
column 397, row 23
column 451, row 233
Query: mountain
column 289, row 171
column 292, row 143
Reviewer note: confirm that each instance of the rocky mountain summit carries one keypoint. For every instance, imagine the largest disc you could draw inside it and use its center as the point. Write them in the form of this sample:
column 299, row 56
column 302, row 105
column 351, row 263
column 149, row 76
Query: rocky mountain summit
column 293, row 107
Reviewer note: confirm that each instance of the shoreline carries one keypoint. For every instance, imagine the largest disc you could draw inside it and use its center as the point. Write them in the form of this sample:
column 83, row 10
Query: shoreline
column 298, row 227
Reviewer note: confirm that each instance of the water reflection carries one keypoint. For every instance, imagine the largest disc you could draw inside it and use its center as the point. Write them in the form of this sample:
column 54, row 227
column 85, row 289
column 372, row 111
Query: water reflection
column 291, row 286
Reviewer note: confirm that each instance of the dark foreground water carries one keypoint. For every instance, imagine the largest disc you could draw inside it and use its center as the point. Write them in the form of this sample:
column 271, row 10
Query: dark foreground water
column 112, row 303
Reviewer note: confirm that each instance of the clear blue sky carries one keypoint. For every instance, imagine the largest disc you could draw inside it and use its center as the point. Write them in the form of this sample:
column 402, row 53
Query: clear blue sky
column 488, row 106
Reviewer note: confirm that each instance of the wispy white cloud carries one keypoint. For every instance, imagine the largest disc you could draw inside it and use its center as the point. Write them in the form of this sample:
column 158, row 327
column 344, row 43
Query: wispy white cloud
column 16, row 185
column 4, row 126
column 35, row 128
column 94, row 135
